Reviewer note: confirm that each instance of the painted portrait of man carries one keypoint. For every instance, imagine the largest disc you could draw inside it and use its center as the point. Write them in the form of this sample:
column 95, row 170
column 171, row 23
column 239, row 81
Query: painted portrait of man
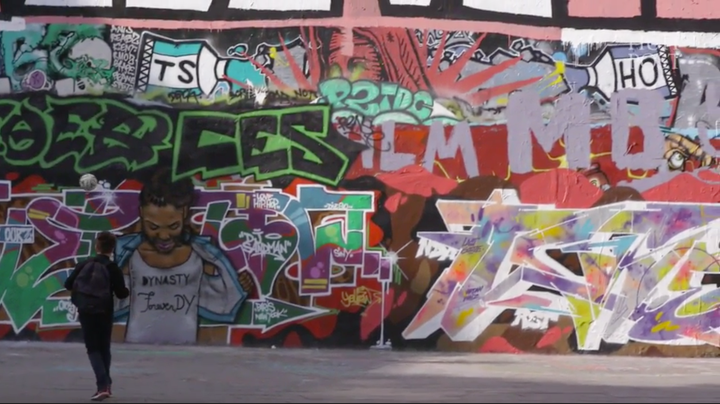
column 175, row 276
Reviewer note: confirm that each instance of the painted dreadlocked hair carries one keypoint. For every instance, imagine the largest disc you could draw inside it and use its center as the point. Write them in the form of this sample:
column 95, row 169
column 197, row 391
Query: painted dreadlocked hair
column 162, row 191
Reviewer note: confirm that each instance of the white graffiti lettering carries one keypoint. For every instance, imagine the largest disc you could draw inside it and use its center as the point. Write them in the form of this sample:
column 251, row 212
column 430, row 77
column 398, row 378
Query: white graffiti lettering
column 534, row 320
column 69, row 308
column 268, row 246
column 342, row 253
column 18, row 235
column 337, row 206
column 266, row 202
column 265, row 311
column 430, row 249
column 125, row 43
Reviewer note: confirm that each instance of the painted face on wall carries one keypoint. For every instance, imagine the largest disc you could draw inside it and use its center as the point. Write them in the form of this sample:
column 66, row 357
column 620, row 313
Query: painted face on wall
column 163, row 226
column 685, row 154
column 596, row 176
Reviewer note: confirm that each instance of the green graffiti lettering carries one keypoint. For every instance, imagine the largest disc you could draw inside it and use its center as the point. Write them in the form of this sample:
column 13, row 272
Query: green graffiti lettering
column 25, row 133
column 60, row 138
column 26, row 287
column 267, row 144
column 81, row 134
column 363, row 98
column 349, row 234
column 377, row 101
column 335, row 91
column 212, row 138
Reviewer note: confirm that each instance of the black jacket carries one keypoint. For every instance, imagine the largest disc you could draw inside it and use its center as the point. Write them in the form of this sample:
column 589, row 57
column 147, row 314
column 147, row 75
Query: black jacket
column 117, row 280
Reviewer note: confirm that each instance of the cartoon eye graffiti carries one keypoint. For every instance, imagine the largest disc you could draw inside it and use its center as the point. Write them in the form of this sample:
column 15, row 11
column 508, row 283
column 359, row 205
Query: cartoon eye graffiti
column 676, row 160
column 681, row 151
column 596, row 176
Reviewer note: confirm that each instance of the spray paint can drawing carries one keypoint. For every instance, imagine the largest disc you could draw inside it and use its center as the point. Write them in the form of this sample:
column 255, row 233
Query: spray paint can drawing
column 621, row 67
column 189, row 66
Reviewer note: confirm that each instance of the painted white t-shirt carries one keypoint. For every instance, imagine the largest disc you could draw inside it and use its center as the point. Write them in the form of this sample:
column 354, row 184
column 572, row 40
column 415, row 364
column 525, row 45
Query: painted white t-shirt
column 164, row 302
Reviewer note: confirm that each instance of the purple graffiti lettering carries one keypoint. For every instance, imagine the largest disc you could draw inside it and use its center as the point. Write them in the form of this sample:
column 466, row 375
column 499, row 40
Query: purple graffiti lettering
column 315, row 272
column 664, row 324
column 62, row 224
column 58, row 223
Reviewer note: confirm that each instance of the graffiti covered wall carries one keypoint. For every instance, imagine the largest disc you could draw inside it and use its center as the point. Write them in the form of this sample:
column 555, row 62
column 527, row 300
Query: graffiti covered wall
column 336, row 174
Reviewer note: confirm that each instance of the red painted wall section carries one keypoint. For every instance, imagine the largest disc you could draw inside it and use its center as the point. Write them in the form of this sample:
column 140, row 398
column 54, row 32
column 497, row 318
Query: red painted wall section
column 604, row 8
column 691, row 9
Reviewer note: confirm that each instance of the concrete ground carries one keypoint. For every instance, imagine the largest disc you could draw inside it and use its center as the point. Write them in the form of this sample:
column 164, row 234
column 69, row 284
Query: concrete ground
column 60, row 373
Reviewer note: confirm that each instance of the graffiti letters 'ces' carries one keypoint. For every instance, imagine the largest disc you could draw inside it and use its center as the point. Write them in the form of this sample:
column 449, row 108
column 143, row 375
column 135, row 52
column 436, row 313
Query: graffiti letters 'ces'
column 61, row 138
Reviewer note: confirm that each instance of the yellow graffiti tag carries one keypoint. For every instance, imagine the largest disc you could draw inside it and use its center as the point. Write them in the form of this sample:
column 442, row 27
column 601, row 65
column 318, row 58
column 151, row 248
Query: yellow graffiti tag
column 665, row 325
column 361, row 296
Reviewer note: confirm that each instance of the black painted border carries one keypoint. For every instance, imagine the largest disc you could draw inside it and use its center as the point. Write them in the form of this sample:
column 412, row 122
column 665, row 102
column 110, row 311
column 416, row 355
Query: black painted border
column 218, row 12
column 647, row 21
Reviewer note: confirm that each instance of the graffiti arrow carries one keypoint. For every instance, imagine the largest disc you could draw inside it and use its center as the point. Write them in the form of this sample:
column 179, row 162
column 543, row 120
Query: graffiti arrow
column 268, row 313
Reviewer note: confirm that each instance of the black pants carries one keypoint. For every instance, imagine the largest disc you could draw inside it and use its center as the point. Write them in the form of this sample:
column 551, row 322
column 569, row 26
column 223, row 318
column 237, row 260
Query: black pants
column 97, row 332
